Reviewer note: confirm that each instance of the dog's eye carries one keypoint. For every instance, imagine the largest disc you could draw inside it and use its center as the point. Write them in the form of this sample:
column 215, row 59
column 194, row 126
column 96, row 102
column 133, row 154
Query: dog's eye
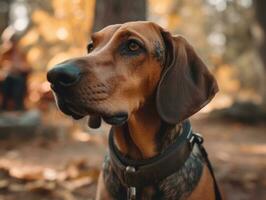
column 90, row 47
column 133, row 45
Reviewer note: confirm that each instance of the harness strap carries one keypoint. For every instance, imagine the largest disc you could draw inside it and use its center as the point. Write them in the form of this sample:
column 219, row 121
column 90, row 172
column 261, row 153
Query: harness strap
column 198, row 140
column 217, row 192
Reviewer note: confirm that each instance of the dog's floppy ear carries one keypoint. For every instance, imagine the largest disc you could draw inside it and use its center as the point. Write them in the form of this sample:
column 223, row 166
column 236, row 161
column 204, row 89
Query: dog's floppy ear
column 186, row 84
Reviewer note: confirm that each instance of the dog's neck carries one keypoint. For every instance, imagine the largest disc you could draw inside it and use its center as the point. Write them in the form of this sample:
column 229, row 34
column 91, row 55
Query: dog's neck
column 139, row 138
column 144, row 136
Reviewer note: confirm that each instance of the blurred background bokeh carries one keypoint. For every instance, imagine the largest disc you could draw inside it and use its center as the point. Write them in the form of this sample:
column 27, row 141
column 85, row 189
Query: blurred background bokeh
column 46, row 155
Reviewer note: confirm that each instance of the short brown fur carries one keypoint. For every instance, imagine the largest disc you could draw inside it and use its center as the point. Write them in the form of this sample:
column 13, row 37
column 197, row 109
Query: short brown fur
column 115, row 81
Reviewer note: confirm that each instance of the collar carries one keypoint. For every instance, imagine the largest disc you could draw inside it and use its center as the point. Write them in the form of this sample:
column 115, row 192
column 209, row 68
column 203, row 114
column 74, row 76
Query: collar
column 139, row 173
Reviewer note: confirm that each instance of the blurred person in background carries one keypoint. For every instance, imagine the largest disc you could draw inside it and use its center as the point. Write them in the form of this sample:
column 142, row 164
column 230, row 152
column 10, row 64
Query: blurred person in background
column 14, row 70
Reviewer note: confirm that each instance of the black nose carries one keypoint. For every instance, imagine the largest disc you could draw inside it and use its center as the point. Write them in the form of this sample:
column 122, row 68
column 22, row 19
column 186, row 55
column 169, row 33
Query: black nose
column 64, row 75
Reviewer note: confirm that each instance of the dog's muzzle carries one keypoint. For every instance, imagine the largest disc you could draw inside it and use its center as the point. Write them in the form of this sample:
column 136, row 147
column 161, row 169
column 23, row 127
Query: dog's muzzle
column 62, row 78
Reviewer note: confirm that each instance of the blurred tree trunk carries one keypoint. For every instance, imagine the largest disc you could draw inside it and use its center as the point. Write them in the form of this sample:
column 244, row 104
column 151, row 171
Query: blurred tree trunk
column 118, row 11
column 4, row 14
column 260, row 8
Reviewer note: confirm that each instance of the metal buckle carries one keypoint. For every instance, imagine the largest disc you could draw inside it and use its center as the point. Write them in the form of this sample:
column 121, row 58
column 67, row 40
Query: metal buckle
column 195, row 138
column 131, row 191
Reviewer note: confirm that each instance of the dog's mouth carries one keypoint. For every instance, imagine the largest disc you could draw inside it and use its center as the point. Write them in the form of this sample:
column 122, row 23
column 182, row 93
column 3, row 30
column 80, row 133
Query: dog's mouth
column 69, row 109
column 78, row 111
column 116, row 119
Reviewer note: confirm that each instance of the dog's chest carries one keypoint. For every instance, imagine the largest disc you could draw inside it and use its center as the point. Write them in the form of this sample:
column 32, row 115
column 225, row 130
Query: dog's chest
column 176, row 186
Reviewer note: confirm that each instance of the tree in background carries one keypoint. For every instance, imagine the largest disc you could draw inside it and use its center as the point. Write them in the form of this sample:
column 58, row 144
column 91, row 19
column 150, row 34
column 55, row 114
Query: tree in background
column 118, row 11
column 260, row 8
column 4, row 14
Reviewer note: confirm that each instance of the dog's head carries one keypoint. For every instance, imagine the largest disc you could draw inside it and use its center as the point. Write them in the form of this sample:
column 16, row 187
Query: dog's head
column 126, row 65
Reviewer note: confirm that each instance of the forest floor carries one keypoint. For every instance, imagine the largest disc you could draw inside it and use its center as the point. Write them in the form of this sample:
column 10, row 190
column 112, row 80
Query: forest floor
column 66, row 168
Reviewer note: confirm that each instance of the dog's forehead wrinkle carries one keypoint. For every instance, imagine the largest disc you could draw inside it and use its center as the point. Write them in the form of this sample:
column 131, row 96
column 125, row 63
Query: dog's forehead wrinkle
column 127, row 32
column 135, row 29
column 101, row 49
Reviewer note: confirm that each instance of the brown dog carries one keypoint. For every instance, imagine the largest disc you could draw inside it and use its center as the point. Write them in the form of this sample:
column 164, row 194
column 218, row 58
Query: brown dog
column 145, row 82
